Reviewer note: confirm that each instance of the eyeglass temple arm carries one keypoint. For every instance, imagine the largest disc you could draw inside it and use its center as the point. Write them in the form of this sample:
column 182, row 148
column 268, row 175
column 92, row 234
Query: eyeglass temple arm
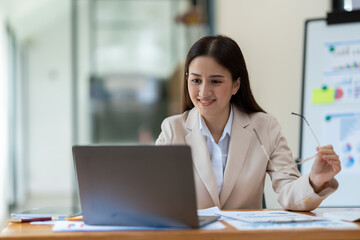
column 264, row 150
column 308, row 126
column 262, row 146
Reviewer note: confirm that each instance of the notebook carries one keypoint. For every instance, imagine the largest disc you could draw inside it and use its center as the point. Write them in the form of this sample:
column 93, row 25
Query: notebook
column 137, row 186
column 60, row 212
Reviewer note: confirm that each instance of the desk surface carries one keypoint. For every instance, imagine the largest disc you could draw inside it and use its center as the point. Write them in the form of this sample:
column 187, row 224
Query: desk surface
column 28, row 231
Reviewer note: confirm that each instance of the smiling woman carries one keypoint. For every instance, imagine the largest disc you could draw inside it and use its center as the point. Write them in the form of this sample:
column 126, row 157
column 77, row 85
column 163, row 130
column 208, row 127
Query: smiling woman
column 220, row 114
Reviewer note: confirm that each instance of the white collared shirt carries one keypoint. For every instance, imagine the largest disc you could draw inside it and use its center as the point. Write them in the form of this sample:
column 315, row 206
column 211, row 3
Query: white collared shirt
column 218, row 151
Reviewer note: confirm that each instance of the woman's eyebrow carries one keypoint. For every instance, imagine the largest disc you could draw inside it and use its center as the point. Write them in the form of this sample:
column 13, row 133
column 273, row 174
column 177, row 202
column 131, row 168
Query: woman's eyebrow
column 217, row 76
column 195, row 74
column 211, row 76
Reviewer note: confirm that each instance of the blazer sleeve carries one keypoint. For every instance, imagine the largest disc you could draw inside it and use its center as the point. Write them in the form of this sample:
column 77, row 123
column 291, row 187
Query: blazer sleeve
column 166, row 135
column 295, row 191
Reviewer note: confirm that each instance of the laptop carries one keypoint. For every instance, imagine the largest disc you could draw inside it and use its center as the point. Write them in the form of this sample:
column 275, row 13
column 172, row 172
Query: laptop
column 137, row 186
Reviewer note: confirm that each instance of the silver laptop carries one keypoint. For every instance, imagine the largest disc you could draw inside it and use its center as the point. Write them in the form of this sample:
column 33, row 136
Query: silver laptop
column 137, row 186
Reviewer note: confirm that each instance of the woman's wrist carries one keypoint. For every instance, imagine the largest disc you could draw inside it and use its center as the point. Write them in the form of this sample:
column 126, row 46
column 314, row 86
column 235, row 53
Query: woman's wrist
column 316, row 185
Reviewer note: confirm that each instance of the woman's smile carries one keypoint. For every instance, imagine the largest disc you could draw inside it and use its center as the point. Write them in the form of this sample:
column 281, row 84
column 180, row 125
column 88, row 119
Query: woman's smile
column 206, row 102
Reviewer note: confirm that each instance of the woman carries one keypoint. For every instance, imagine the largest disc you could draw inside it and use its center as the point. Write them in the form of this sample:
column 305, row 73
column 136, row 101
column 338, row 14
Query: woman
column 220, row 115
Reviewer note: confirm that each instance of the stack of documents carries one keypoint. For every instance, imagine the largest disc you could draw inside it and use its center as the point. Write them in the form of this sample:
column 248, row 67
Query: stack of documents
column 256, row 220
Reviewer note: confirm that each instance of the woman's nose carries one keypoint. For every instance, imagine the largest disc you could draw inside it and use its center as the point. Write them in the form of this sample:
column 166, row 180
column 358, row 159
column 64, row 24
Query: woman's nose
column 205, row 90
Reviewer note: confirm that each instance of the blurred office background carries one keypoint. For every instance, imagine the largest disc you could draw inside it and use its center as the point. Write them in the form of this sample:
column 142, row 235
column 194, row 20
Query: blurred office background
column 109, row 71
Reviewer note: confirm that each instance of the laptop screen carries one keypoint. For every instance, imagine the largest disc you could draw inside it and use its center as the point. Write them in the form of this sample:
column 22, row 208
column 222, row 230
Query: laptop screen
column 136, row 185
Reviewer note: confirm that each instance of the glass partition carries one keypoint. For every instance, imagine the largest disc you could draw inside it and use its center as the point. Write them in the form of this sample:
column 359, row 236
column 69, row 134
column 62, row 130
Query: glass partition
column 129, row 61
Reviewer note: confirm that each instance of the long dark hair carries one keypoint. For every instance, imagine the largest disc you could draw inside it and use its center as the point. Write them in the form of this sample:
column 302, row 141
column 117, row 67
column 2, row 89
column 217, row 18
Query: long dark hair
column 228, row 54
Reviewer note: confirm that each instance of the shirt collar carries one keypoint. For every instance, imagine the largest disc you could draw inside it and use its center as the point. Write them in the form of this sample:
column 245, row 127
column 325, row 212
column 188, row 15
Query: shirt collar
column 227, row 129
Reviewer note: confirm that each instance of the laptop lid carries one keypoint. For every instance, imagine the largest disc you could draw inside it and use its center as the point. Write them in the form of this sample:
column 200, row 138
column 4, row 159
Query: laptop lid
column 136, row 185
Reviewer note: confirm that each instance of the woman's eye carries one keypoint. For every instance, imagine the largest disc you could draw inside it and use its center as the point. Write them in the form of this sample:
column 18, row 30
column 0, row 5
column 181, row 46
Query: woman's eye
column 196, row 80
column 216, row 81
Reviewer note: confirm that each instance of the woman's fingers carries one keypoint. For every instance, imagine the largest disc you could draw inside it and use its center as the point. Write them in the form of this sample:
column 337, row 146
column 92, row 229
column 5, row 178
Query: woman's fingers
column 326, row 150
column 328, row 153
column 335, row 163
column 330, row 157
column 336, row 166
column 325, row 147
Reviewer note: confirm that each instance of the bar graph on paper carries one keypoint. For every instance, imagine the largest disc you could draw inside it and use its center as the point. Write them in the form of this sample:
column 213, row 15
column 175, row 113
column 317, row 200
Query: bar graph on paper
column 343, row 130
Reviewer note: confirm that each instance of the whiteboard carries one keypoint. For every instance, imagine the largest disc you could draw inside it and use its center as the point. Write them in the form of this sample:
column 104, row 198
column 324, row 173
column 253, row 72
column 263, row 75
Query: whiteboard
column 331, row 102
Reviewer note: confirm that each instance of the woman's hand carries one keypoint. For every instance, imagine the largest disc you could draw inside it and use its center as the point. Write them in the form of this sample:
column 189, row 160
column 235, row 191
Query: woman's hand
column 325, row 167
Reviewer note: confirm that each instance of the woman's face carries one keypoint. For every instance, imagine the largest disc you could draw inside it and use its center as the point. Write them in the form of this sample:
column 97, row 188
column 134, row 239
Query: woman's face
column 210, row 87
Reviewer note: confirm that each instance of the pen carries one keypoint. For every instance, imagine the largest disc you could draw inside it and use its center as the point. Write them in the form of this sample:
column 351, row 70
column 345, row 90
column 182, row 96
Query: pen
column 25, row 220
column 74, row 218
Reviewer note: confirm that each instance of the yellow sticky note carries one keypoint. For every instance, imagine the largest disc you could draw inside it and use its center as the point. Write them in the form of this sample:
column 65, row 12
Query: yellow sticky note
column 323, row 95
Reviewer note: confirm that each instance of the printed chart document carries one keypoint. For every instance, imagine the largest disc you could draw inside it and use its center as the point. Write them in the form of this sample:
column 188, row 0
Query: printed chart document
column 291, row 225
column 258, row 220
column 261, row 220
column 269, row 216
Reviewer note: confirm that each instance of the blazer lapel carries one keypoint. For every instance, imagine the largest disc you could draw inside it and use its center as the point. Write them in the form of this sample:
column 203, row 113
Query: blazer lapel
column 239, row 144
column 200, row 154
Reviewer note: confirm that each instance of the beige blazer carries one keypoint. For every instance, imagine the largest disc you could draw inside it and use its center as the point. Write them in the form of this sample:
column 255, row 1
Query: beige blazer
column 246, row 165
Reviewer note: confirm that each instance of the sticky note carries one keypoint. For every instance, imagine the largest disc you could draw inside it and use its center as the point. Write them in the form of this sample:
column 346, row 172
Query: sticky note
column 321, row 95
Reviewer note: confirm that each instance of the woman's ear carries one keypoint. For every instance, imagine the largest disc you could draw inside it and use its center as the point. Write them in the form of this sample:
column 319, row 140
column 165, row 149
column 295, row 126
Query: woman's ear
column 236, row 86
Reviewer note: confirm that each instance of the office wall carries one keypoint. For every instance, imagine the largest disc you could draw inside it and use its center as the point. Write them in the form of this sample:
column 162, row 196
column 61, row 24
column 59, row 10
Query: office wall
column 83, row 64
column 271, row 34
column 43, row 101
column 50, row 119
column 3, row 121
column 42, row 30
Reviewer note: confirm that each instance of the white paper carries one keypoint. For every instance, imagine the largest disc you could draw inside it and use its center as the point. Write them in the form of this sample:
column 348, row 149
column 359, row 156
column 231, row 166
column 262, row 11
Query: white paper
column 68, row 226
column 46, row 222
column 349, row 215
column 291, row 225
column 268, row 216
column 213, row 211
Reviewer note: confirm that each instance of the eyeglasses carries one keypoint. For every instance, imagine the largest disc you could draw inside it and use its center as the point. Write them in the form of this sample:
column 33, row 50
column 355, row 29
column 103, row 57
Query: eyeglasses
column 297, row 161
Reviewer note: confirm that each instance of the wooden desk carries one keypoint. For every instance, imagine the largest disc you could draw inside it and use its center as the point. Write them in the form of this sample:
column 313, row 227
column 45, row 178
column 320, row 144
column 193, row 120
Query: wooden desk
column 28, row 231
